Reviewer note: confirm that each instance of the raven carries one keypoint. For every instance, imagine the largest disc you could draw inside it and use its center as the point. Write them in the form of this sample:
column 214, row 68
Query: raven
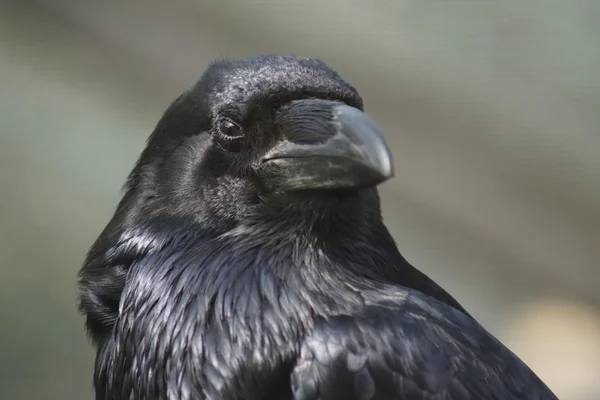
column 248, row 259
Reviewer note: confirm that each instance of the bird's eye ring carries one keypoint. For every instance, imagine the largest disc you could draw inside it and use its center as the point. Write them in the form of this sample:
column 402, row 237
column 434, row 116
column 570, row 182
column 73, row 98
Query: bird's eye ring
column 229, row 130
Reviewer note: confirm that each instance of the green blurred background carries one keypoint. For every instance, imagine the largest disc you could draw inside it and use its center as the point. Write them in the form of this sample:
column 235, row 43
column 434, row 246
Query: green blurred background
column 492, row 109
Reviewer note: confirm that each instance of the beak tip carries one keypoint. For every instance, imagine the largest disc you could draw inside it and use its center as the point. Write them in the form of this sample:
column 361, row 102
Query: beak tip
column 388, row 172
column 358, row 126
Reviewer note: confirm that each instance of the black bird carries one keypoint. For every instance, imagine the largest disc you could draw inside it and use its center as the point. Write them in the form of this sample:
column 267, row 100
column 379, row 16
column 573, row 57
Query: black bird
column 248, row 259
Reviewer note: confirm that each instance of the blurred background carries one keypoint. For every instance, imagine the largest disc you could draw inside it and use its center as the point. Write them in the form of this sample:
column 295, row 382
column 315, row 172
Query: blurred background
column 492, row 109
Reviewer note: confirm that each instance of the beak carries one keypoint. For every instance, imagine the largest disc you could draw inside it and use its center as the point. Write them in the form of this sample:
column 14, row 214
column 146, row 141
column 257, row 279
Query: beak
column 326, row 145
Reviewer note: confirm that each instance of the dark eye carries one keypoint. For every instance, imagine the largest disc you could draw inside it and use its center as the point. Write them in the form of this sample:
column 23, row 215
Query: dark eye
column 229, row 130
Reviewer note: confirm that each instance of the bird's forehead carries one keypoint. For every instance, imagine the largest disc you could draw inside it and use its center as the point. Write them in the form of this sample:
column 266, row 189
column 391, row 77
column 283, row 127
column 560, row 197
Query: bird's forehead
column 259, row 80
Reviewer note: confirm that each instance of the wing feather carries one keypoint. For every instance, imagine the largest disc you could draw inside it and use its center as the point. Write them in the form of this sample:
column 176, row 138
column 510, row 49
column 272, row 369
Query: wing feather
column 411, row 348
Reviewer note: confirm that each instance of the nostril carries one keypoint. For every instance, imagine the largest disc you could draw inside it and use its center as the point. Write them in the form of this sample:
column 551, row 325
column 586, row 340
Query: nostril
column 308, row 121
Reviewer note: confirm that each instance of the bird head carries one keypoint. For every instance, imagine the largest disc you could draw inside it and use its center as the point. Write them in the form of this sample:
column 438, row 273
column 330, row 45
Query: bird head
column 264, row 129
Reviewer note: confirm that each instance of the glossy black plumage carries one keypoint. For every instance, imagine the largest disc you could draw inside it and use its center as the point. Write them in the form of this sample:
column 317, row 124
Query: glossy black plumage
column 231, row 273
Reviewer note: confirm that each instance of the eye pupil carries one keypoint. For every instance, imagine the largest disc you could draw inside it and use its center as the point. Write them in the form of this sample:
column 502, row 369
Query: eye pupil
column 229, row 129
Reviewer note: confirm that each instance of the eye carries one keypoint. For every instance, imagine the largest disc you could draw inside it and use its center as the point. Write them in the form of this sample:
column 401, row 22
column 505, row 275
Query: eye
column 229, row 130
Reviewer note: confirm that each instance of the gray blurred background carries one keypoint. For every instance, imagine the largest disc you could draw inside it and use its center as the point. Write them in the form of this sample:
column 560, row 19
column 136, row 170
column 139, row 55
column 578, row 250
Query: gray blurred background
column 492, row 109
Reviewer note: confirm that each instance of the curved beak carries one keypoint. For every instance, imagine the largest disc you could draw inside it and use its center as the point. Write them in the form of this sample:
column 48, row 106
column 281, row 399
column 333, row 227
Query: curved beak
column 326, row 145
